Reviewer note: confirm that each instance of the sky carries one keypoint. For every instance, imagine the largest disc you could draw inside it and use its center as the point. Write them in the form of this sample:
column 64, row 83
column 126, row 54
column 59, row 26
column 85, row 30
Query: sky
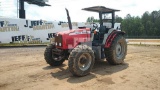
column 56, row 12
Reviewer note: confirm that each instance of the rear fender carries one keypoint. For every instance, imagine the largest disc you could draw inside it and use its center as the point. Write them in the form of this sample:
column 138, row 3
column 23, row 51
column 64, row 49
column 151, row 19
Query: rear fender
column 111, row 37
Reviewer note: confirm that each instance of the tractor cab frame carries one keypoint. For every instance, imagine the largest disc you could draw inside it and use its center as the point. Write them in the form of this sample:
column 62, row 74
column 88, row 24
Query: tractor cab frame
column 103, row 10
column 99, row 38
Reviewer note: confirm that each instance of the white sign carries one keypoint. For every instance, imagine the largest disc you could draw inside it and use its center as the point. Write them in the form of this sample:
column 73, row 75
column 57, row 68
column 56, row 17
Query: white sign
column 31, row 31
column 35, row 31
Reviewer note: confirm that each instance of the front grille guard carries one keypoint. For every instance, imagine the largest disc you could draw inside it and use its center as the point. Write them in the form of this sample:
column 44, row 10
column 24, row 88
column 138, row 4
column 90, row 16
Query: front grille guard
column 58, row 40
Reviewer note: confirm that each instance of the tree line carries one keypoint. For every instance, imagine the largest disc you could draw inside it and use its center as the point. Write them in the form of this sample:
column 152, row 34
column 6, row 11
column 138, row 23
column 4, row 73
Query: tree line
column 146, row 26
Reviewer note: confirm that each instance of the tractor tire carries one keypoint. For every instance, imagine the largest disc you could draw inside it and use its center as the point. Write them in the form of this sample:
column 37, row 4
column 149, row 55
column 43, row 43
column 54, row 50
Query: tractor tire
column 81, row 60
column 116, row 53
column 49, row 57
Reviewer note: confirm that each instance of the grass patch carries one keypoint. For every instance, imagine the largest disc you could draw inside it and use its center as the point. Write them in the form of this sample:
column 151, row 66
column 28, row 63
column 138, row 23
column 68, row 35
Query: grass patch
column 20, row 44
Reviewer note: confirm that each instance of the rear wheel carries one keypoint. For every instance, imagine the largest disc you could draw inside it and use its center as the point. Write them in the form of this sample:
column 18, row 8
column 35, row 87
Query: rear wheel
column 81, row 60
column 117, row 52
column 52, row 59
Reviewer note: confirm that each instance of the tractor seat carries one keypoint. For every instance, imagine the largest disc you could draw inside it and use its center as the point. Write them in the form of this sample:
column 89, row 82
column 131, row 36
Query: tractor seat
column 98, row 38
column 103, row 29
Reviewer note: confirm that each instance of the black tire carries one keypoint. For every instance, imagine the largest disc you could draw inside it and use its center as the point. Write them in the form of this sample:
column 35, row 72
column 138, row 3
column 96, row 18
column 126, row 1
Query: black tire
column 49, row 57
column 81, row 60
column 116, row 53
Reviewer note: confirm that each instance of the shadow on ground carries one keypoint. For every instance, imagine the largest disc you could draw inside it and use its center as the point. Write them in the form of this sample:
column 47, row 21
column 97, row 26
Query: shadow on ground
column 100, row 67
column 50, row 67
column 104, row 68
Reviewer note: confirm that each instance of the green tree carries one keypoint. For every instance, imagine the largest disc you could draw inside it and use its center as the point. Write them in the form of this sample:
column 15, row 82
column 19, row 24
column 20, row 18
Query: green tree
column 92, row 19
column 132, row 26
column 145, row 18
column 118, row 19
column 88, row 19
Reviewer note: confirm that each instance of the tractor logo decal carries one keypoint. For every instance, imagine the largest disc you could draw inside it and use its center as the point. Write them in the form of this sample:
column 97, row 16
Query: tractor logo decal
column 78, row 32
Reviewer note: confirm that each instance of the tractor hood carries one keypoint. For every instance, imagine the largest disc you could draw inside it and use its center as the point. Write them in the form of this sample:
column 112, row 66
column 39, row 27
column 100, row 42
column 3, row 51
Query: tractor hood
column 71, row 38
column 75, row 31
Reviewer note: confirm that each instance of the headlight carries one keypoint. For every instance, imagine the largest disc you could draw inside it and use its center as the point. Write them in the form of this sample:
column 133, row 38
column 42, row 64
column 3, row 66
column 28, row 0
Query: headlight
column 60, row 44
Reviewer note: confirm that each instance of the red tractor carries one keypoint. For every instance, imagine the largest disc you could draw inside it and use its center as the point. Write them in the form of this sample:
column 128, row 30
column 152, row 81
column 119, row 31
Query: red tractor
column 81, row 47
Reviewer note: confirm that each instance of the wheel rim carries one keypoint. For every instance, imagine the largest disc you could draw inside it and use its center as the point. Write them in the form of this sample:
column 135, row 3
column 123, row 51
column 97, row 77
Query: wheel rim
column 84, row 62
column 57, row 57
column 119, row 50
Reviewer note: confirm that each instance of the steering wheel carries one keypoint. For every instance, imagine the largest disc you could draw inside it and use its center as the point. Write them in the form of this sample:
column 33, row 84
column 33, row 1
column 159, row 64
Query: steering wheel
column 95, row 26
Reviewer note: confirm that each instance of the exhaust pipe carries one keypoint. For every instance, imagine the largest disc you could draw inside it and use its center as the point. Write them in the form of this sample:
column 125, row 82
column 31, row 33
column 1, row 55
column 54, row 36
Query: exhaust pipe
column 69, row 20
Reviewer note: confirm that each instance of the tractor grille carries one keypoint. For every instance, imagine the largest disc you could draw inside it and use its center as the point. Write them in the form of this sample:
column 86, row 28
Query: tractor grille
column 58, row 40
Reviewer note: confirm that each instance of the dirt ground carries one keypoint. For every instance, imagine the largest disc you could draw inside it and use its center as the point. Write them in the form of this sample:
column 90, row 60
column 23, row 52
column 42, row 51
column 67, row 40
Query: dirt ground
column 26, row 69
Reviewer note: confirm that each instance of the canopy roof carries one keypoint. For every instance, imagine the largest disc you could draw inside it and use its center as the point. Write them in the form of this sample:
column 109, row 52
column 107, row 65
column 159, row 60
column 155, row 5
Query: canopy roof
column 100, row 9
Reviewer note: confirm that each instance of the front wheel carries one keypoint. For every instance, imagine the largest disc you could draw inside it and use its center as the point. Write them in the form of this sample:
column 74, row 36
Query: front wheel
column 117, row 52
column 52, row 59
column 81, row 60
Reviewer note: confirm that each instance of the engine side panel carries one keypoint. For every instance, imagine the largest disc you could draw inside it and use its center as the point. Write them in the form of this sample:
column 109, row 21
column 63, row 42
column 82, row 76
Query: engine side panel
column 72, row 38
